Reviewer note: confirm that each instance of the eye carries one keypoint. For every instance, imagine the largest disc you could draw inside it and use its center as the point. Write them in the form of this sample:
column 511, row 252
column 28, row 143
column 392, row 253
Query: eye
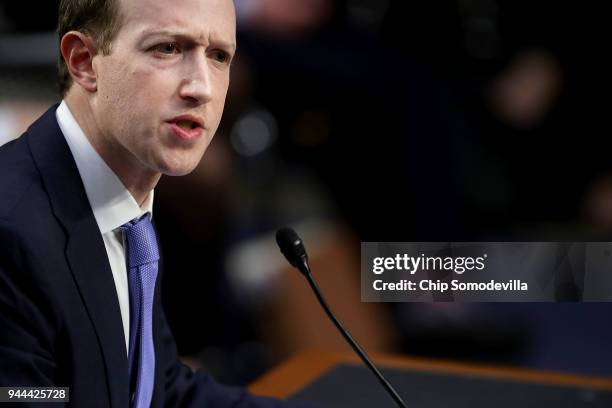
column 167, row 48
column 221, row 56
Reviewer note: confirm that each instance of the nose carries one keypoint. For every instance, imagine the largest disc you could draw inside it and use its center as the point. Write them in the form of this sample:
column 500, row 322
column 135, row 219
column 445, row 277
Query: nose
column 196, row 86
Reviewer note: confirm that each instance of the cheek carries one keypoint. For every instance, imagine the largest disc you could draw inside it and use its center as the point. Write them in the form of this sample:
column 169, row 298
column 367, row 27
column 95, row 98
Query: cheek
column 221, row 87
column 130, row 88
column 131, row 98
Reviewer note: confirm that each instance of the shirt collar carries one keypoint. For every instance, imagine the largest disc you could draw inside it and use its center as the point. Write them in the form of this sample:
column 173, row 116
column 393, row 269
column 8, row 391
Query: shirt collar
column 111, row 203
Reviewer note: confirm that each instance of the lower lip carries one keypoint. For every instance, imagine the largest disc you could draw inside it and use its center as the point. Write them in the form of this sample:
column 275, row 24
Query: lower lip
column 186, row 134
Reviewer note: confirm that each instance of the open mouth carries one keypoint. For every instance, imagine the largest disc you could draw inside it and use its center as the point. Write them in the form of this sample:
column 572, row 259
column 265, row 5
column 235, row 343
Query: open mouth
column 187, row 127
column 187, row 124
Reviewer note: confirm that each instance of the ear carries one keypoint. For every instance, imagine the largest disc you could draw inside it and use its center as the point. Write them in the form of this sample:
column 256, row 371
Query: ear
column 78, row 51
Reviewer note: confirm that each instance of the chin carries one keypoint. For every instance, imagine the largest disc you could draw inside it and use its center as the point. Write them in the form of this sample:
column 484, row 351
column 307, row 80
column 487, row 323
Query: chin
column 174, row 162
column 177, row 173
column 180, row 168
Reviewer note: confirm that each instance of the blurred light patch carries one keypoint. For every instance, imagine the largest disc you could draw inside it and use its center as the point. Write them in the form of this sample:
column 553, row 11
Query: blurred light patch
column 17, row 115
column 254, row 266
column 246, row 9
column 527, row 89
column 254, row 133
column 33, row 49
column 284, row 19
column 8, row 125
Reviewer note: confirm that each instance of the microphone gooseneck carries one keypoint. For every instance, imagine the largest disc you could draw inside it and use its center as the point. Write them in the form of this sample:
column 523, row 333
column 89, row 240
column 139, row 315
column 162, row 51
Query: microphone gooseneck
column 292, row 248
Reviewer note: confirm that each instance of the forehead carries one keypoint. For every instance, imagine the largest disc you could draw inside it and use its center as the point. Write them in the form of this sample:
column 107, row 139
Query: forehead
column 199, row 18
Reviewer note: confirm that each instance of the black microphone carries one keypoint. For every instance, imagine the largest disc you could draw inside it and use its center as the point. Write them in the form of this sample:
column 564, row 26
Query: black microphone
column 293, row 249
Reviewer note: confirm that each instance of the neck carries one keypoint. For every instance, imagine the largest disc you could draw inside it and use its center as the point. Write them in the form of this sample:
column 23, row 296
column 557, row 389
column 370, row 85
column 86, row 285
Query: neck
column 135, row 176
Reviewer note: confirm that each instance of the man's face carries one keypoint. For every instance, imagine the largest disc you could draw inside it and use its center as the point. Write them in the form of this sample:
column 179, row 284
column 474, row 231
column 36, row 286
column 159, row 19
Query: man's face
column 161, row 90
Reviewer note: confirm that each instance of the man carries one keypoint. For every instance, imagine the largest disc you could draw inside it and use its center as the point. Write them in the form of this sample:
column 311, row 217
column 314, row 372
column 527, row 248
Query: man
column 143, row 84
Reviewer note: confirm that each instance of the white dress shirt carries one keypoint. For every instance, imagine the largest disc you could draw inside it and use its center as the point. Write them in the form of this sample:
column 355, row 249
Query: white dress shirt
column 111, row 202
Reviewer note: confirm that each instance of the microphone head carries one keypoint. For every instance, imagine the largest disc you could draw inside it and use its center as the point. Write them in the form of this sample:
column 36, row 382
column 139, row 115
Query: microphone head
column 292, row 248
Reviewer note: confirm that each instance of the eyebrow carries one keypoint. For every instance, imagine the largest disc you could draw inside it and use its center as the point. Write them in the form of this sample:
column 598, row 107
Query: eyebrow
column 185, row 36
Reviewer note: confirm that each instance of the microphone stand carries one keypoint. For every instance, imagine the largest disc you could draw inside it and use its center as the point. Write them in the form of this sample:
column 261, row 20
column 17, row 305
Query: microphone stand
column 305, row 269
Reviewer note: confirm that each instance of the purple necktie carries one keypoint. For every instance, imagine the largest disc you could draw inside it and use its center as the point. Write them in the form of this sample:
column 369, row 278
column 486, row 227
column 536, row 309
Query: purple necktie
column 142, row 256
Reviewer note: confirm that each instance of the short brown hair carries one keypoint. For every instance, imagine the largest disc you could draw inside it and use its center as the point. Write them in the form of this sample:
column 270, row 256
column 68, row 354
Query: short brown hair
column 97, row 18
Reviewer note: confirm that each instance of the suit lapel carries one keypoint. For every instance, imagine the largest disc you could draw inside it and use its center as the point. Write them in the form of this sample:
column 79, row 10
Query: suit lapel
column 85, row 249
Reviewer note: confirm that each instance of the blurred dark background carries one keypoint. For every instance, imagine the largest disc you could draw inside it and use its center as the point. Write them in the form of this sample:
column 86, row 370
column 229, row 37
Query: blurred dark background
column 374, row 120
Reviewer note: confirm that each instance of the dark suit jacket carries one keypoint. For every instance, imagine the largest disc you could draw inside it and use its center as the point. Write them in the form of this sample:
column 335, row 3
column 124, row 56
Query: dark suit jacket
column 60, row 322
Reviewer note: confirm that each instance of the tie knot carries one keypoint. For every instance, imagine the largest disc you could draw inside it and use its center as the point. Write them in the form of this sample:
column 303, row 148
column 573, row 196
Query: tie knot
column 141, row 241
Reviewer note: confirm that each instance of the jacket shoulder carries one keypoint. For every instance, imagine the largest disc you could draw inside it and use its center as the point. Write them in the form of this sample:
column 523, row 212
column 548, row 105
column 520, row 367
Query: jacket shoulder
column 18, row 175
